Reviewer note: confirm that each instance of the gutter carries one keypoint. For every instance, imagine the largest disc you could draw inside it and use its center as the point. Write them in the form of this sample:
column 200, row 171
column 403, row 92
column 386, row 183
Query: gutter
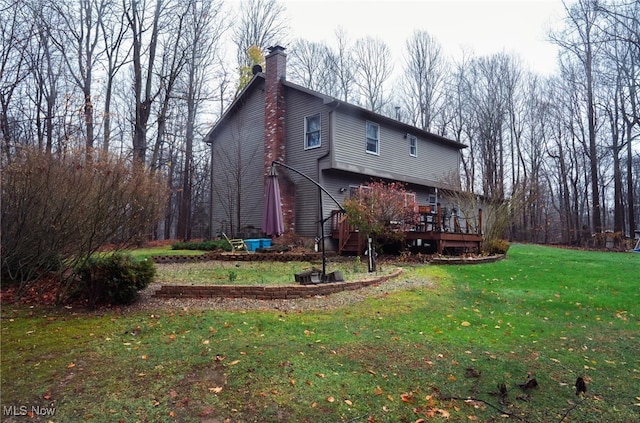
column 329, row 153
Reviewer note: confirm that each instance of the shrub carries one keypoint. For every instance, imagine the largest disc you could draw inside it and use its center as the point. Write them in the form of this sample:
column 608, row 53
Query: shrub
column 496, row 246
column 114, row 279
column 382, row 211
column 57, row 211
column 220, row 244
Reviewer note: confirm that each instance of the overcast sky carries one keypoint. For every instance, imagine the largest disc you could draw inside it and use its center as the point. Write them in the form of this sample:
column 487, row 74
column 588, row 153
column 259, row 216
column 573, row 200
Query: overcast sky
column 482, row 26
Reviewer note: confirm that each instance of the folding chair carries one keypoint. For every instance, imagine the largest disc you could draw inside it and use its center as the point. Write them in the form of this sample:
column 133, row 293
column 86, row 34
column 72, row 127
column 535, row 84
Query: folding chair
column 237, row 244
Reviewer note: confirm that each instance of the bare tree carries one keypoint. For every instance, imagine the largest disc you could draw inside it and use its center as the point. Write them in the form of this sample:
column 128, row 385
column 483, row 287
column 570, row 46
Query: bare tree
column 79, row 43
column 16, row 33
column 142, row 31
column 578, row 41
column 373, row 68
column 458, row 112
column 343, row 66
column 203, row 34
column 489, row 102
column 47, row 69
column 423, row 82
column 113, row 28
column 310, row 65
column 260, row 23
column 622, row 29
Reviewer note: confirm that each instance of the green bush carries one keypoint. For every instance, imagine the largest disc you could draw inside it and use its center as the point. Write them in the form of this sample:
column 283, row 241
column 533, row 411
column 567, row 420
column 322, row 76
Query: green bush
column 496, row 246
column 114, row 279
column 219, row 244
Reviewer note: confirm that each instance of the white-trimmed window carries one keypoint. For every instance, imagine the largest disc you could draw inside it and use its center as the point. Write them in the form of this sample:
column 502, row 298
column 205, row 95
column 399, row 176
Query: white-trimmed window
column 312, row 137
column 413, row 145
column 373, row 138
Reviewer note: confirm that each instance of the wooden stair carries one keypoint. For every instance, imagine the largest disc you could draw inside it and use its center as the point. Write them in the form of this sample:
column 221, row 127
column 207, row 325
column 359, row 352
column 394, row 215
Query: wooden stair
column 354, row 243
column 349, row 240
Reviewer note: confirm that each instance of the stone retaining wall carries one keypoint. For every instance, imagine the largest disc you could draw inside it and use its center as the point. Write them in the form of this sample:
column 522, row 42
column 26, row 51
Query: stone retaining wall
column 266, row 292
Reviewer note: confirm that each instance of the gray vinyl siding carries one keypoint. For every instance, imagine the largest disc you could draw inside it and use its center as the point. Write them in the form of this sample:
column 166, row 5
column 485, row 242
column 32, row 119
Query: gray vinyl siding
column 238, row 155
column 434, row 162
column 298, row 106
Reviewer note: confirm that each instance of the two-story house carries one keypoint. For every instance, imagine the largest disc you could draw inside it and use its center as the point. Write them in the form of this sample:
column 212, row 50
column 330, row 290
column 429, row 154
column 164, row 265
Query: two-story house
column 339, row 145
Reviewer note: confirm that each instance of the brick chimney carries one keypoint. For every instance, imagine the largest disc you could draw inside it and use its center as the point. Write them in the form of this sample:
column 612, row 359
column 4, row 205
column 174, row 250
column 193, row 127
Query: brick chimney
column 274, row 129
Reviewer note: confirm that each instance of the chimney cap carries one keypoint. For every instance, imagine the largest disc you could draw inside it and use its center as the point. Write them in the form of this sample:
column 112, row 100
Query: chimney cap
column 275, row 49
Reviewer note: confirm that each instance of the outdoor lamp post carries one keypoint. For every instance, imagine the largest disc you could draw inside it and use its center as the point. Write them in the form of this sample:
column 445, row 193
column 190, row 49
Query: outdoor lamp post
column 322, row 219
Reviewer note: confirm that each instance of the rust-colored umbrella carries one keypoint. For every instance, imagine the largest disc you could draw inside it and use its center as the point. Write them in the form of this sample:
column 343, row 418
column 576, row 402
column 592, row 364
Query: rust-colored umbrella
column 272, row 222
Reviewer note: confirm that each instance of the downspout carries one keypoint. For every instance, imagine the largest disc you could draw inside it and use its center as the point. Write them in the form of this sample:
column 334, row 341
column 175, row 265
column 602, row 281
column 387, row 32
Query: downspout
column 322, row 220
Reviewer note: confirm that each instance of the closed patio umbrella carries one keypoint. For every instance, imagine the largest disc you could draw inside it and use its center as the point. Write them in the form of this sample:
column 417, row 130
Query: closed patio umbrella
column 272, row 222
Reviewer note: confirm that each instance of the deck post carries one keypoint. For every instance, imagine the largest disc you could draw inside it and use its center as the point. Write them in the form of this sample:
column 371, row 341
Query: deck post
column 479, row 221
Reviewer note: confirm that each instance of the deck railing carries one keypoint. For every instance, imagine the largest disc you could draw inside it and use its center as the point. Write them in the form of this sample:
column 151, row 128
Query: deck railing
column 433, row 219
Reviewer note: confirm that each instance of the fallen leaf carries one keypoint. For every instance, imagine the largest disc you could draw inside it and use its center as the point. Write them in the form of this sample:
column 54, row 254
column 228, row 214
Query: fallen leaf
column 406, row 397
column 472, row 418
column 377, row 390
column 443, row 413
column 206, row 411
column 233, row 363
column 216, row 389
column 331, row 399
column 292, row 382
column 348, row 402
column 465, row 323
column 320, row 375
column 71, row 365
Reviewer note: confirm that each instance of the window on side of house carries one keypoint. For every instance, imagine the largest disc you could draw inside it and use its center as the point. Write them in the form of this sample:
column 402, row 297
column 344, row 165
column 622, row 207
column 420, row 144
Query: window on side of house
column 373, row 138
column 312, row 137
column 413, row 145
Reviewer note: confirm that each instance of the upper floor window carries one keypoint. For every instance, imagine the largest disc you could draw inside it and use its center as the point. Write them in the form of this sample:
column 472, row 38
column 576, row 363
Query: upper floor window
column 413, row 145
column 373, row 138
column 312, row 131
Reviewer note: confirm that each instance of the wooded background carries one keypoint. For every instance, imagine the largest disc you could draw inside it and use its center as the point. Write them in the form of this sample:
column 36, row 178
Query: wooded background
column 147, row 79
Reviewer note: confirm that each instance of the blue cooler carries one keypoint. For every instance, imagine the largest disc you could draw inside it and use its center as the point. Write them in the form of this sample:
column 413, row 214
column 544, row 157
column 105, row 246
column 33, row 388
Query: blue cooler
column 252, row 244
column 265, row 242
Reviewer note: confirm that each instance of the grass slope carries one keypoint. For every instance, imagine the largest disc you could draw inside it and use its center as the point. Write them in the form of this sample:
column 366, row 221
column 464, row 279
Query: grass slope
column 437, row 354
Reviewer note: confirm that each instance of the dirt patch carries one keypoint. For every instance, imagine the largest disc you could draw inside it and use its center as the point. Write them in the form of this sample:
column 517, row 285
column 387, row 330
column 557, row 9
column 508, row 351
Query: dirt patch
column 195, row 395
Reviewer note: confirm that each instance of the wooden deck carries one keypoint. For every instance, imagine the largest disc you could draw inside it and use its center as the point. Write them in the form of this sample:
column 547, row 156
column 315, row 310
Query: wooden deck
column 434, row 233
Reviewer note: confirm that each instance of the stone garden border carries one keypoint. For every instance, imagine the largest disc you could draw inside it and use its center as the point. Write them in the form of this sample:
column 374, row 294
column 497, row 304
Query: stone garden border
column 282, row 292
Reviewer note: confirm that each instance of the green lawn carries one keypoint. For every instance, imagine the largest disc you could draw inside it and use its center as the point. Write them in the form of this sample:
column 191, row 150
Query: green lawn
column 255, row 273
column 397, row 357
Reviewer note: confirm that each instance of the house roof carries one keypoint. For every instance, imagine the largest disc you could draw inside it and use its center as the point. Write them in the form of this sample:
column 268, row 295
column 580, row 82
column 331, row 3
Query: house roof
column 255, row 82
